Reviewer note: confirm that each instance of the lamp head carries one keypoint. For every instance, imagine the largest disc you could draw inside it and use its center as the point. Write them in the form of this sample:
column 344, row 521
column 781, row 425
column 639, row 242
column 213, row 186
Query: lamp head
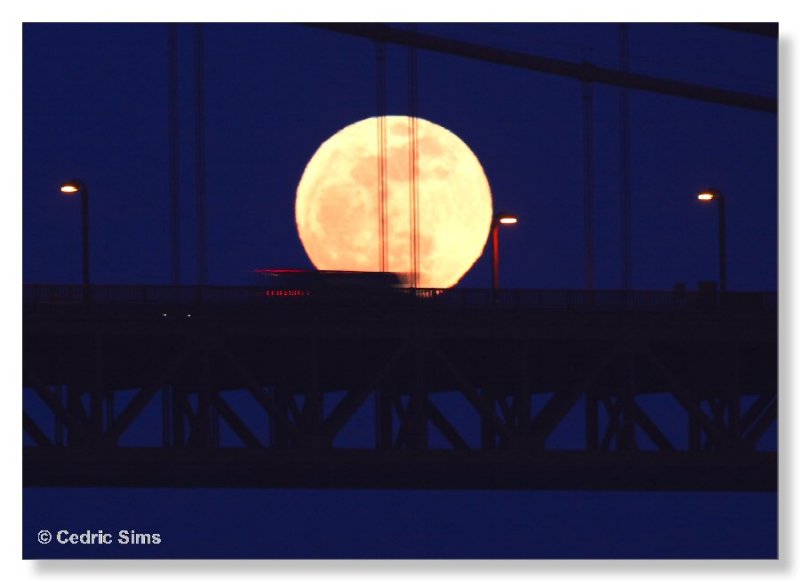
column 71, row 187
column 709, row 195
column 506, row 218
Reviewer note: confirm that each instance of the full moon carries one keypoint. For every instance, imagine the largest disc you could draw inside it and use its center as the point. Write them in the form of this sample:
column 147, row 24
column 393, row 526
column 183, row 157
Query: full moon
column 338, row 206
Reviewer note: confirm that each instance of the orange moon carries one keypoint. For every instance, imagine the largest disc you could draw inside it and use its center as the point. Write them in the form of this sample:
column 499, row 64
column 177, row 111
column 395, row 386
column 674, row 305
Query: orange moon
column 337, row 205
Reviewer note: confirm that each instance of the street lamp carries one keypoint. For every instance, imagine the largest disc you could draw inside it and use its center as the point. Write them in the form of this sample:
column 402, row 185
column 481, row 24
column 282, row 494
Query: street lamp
column 505, row 219
column 72, row 188
column 709, row 195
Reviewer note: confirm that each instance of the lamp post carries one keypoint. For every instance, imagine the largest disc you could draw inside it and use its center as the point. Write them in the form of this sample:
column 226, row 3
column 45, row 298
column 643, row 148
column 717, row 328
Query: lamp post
column 72, row 188
column 709, row 195
column 502, row 218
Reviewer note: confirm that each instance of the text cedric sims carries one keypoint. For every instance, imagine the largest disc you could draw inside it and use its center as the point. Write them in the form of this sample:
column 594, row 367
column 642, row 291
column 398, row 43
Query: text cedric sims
column 124, row 537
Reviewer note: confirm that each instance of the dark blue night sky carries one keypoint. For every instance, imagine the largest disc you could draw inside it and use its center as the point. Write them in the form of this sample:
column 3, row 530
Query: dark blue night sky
column 96, row 108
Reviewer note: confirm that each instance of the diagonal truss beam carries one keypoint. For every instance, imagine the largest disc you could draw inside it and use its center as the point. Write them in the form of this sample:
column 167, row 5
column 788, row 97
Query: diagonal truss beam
column 561, row 403
column 756, row 410
column 651, row 429
column 234, row 421
column 34, row 431
column 141, row 399
column 355, row 398
column 53, row 403
column 473, row 396
column 686, row 399
column 765, row 421
column 251, row 384
column 444, row 426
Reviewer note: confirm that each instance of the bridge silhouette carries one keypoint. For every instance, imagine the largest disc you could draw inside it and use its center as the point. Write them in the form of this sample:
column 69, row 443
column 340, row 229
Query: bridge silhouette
column 229, row 387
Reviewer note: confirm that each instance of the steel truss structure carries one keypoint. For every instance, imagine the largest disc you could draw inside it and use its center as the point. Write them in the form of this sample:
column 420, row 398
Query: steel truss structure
column 203, row 386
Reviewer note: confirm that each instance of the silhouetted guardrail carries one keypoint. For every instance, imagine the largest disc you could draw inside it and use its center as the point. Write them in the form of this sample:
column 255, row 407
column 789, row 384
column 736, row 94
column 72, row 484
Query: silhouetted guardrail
column 464, row 298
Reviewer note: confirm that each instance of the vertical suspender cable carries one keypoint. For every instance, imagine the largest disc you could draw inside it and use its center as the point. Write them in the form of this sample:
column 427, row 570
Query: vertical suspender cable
column 383, row 260
column 174, row 154
column 625, row 162
column 413, row 178
column 200, row 155
column 588, row 174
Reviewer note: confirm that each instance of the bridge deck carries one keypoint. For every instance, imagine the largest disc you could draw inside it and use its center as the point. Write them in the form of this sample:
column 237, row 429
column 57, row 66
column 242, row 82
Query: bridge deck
column 554, row 334
column 434, row 469
column 463, row 389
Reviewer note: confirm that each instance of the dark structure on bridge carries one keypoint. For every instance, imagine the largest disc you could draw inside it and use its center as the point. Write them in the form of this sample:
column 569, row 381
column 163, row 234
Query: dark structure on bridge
column 455, row 389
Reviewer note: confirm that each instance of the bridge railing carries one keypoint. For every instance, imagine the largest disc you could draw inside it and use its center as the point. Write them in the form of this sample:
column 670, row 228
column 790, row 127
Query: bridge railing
column 456, row 298
column 599, row 299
